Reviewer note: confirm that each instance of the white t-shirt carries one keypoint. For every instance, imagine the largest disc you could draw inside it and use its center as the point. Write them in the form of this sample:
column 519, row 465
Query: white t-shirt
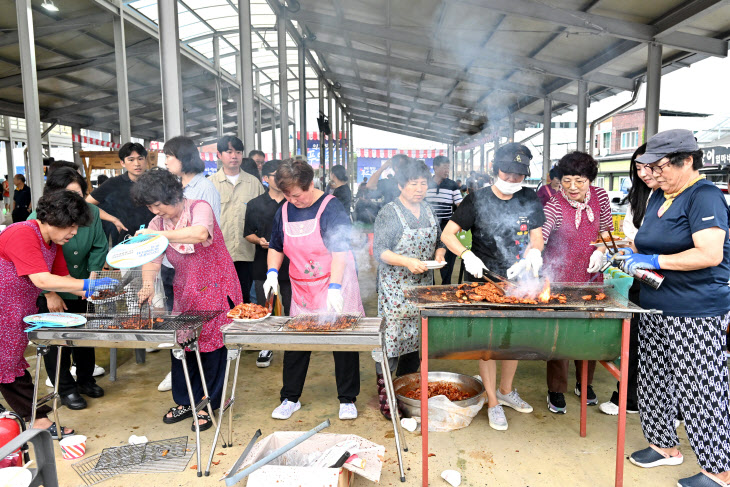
column 233, row 179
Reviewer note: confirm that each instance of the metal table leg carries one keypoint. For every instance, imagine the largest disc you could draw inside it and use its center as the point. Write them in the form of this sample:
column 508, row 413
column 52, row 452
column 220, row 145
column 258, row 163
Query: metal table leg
column 583, row 397
column 381, row 357
column 180, row 355
column 41, row 351
column 424, row 401
column 112, row 364
column 194, row 347
column 622, row 392
column 232, row 354
column 232, row 400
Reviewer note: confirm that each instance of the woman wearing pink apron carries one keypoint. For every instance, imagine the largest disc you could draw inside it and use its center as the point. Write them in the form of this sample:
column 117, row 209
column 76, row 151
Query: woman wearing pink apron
column 313, row 230
column 31, row 261
column 573, row 219
column 204, row 279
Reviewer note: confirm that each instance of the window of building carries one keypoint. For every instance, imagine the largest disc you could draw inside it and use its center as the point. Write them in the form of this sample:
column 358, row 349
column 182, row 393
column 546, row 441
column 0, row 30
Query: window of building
column 599, row 182
column 607, row 140
column 630, row 139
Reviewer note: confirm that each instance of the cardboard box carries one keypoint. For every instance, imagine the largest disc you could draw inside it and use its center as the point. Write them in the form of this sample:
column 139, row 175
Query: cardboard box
column 285, row 473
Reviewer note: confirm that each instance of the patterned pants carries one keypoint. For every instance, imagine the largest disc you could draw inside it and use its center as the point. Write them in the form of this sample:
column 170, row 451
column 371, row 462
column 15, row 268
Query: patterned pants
column 682, row 369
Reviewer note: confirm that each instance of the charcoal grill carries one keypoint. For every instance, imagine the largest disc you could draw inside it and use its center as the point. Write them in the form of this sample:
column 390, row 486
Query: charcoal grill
column 367, row 335
column 175, row 331
column 578, row 330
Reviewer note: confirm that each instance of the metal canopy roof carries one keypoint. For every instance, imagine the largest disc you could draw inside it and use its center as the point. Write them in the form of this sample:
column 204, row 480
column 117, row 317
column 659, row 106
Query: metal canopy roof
column 442, row 70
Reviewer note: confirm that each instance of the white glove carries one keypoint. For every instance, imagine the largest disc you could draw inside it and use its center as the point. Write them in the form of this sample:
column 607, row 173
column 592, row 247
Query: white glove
column 271, row 284
column 533, row 259
column 598, row 258
column 335, row 302
column 473, row 264
column 517, row 269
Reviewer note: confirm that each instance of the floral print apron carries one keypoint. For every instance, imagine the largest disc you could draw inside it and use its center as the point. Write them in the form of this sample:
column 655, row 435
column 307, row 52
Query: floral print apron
column 402, row 320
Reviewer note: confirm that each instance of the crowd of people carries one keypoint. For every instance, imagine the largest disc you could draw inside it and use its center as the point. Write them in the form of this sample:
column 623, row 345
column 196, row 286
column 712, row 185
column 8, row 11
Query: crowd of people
column 258, row 227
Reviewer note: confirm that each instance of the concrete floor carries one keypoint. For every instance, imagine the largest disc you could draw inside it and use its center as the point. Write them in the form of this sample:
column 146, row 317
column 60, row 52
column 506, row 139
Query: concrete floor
column 538, row 449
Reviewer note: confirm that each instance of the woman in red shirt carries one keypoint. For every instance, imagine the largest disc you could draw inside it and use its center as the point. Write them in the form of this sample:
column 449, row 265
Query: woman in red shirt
column 30, row 261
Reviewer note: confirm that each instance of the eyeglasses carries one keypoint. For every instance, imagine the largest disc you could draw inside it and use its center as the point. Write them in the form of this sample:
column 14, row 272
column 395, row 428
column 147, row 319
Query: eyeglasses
column 657, row 170
column 579, row 183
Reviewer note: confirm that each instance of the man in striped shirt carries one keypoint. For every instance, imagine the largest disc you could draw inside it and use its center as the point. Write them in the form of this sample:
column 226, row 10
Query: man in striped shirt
column 444, row 196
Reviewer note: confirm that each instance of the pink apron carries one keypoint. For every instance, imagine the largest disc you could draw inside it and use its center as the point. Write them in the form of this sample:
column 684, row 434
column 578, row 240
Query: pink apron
column 310, row 264
column 568, row 251
column 203, row 280
column 17, row 300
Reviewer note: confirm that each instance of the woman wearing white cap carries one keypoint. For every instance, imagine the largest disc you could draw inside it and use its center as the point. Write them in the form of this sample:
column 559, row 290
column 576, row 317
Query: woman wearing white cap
column 681, row 358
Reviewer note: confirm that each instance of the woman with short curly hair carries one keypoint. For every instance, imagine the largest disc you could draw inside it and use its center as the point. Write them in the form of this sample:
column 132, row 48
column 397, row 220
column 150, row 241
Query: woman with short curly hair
column 573, row 219
column 204, row 279
column 31, row 261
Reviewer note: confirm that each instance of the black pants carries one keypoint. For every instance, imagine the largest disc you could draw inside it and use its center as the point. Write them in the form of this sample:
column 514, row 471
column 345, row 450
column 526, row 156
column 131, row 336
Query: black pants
column 20, row 215
column 347, row 375
column 167, row 274
column 632, row 401
column 244, row 271
column 447, row 270
column 19, row 396
column 214, row 368
column 284, row 293
column 83, row 357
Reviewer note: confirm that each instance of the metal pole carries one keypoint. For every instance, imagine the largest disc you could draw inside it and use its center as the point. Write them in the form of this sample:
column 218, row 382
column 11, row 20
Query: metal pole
column 259, row 127
column 321, row 134
column 76, row 147
column 120, row 56
column 246, row 78
column 582, row 115
column 26, row 45
column 9, row 155
column 332, row 129
column 482, row 160
column 218, row 87
column 172, row 100
column 294, row 127
column 302, row 102
column 653, row 88
column 547, row 116
column 471, row 160
column 512, row 128
column 283, row 91
column 337, row 132
column 344, row 140
column 352, row 158
column 273, row 122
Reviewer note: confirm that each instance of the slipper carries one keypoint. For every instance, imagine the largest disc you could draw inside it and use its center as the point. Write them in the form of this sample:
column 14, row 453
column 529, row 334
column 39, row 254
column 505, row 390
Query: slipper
column 701, row 480
column 54, row 433
column 204, row 426
column 650, row 457
column 178, row 414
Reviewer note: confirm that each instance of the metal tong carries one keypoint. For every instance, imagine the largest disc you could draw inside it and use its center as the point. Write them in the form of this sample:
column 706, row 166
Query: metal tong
column 613, row 242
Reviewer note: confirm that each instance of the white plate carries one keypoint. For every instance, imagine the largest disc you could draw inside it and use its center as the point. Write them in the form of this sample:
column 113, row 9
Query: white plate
column 433, row 264
column 15, row 477
column 243, row 320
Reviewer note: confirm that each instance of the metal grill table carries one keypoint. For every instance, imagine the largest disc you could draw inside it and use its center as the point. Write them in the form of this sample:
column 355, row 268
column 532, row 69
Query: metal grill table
column 271, row 334
column 176, row 332
column 577, row 330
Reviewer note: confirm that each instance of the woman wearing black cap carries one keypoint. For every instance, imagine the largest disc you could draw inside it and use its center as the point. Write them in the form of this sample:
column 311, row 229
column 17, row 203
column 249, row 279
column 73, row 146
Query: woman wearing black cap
column 682, row 366
column 505, row 220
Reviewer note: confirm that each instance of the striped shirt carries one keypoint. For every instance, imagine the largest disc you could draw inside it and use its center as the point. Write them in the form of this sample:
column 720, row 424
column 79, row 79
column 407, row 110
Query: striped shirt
column 554, row 217
column 443, row 198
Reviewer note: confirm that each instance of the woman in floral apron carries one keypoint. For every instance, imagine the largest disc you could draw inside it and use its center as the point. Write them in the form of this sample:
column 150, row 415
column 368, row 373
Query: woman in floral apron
column 31, row 261
column 406, row 234
column 313, row 230
column 204, row 279
column 573, row 219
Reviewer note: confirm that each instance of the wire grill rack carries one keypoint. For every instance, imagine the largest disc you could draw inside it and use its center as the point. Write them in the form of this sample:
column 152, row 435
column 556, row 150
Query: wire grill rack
column 123, row 299
column 186, row 325
column 170, row 455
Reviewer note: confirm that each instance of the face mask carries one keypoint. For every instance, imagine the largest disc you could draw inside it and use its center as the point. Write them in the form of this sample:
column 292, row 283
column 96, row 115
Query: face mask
column 507, row 188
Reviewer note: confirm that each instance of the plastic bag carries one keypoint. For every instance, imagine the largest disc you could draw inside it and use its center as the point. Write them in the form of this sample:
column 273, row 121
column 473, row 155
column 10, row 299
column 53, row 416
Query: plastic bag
column 444, row 415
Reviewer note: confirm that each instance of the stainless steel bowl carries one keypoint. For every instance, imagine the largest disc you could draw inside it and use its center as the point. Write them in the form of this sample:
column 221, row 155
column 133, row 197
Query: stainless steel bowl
column 412, row 407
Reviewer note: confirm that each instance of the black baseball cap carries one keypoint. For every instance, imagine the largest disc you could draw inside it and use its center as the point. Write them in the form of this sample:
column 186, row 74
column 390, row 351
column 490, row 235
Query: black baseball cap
column 668, row 142
column 513, row 158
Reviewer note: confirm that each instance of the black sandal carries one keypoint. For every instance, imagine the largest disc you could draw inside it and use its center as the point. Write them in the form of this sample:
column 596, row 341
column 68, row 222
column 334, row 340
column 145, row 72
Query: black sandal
column 54, row 433
column 202, row 417
column 178, row 414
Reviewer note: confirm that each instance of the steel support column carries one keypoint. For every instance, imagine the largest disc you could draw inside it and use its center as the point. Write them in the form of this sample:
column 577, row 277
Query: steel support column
column 302, row 102
column 259, row 119
column 653, row 88
column 283, row 89
column 120, row 57
column 10, row 158
column 547, row 116
column 482, row 159
column 273, row 123
column 172, row 99
column 511, row 134
column 26, row 45
column 218, row 87
column 337, row 132
column 321, row 134
column 76, row 147
column 245, row 68
column 345, row 149
column 582, row 115
column 330, row 157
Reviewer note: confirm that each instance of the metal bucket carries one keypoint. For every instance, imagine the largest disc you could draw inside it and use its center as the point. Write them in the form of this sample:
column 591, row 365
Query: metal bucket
column 412, row 407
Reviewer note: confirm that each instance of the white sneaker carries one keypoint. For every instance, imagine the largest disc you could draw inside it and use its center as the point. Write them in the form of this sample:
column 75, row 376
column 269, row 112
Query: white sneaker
column 49, row 383
column 97, row 371
column 151, row 350
column 497, row 419
column 348, row 411
column 612, row 410
column 514, row 401
column 166, row 384
column 286, row 409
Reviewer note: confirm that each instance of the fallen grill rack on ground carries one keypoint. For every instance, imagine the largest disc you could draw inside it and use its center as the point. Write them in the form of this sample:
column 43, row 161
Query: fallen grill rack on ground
column 144, row 458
